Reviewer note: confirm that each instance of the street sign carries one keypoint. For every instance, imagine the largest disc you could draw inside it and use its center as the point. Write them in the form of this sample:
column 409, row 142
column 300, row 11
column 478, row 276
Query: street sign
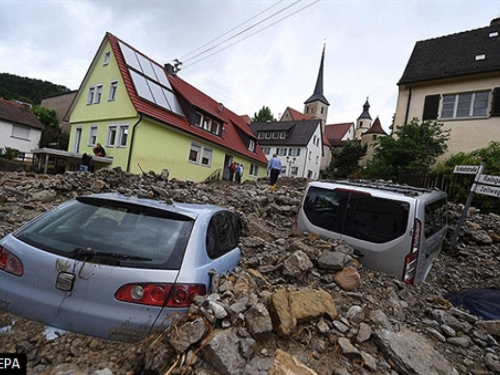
column 466, row 169
column 489, row 180
column 488, row 190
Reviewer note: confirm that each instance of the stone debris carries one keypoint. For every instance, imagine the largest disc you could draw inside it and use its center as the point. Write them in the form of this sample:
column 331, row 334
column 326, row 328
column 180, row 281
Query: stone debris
column 297, row 303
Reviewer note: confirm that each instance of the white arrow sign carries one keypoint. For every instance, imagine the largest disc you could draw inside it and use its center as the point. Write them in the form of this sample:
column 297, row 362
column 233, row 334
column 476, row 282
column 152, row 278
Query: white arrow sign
column 466, row 169
column 489, row 180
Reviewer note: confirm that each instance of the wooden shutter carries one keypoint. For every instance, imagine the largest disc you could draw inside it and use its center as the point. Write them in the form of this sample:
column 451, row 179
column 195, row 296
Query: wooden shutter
column 495, row 106
column 431, row 107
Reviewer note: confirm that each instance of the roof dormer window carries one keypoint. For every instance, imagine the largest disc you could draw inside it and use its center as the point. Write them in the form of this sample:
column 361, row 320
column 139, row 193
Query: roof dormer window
column 480, row 57
column 493, row 34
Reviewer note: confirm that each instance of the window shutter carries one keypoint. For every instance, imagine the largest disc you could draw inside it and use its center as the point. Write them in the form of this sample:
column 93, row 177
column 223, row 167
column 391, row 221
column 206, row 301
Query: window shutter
column 431, row 107
column 495, row 107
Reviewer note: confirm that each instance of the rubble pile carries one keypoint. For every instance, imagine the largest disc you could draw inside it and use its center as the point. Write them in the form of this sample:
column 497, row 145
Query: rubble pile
column 297, row 303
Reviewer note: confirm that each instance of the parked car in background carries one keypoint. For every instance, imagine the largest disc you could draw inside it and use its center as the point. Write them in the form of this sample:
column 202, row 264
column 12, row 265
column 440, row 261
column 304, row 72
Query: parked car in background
column 393, row 228
column 113, row 266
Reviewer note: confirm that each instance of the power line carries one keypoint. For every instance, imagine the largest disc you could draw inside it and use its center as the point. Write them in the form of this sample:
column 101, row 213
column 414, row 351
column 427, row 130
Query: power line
column 256, row 32
column 227, row 32
column 245, row 30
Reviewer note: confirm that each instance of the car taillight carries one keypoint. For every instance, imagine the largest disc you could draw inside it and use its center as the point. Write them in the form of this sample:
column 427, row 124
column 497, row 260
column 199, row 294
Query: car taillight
column 10, row 263
column 180, row 295
column 410, row 266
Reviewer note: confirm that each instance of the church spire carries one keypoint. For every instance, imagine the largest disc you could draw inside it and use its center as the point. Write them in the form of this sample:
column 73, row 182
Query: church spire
column 318, row 90
column 365, row 114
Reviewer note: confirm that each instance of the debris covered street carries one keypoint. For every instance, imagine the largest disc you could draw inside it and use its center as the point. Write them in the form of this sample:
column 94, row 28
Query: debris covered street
column 296, row 303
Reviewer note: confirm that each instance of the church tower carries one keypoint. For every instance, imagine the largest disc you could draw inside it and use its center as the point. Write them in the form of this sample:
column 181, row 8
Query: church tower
column 317, row 105
column 364, row 121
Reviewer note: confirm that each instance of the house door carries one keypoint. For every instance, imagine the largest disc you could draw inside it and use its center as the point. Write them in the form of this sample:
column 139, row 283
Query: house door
column 78, row 137
column 228, row 159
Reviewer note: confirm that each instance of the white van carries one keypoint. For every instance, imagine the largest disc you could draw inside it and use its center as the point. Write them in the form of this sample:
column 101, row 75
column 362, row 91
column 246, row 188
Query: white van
column 393, row 228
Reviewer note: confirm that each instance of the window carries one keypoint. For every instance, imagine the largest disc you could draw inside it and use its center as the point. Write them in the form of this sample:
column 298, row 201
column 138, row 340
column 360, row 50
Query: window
column 93, row 136
column 123, row 137
column 223, row 234
column 206, row 159
column 215, row 128
column 254, row 170
column 317, row 159
column 283, row 135
column 20, row 132
column 112, row 135
column 260, row 135
column 310, row 153
column 281, row 151
column 98, row 94
column 197, row 119
column 431, row 107
column 90, row 97
column 465, row 105
column 294, row 151
column 112, row 90
column 266, row 150
column 106, row 58
column 435, row 217
column 194, row 153
column 276, row 135
column 206, row 123
column 268, row 135
column 294, row 171
column 251, row 145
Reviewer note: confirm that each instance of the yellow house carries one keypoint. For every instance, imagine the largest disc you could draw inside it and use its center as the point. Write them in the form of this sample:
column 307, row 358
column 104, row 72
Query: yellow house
column 149, row 119
column 454, row 80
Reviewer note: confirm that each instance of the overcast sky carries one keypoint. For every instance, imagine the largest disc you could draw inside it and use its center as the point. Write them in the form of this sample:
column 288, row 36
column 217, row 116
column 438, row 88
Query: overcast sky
column 243, row 53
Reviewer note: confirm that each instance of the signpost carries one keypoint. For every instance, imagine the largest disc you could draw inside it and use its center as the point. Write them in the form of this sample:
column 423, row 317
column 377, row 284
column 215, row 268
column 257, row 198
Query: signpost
column 483, row 184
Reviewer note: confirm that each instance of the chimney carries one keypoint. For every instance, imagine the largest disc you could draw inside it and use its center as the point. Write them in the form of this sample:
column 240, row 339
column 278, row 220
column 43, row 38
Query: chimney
column 170, row 69
column 495, row 21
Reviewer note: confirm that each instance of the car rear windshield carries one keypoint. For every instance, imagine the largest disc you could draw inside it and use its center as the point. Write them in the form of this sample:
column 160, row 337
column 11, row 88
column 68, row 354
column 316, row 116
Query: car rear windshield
column 133, row 235
column 356, row 214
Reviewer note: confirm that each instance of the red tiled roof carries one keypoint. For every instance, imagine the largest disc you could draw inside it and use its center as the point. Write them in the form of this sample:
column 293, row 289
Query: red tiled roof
column 232, row 123
column 376, row 128
column 335, row 132
column 297, row 116
column 19, row 114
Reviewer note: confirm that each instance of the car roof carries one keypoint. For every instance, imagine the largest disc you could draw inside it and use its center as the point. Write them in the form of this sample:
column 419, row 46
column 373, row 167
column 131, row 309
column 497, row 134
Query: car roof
column 191, row 210
column 389, row 187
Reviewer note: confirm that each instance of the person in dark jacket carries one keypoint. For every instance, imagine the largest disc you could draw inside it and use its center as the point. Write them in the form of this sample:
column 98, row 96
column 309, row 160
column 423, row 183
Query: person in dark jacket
column 84, row 166
column 99, row 150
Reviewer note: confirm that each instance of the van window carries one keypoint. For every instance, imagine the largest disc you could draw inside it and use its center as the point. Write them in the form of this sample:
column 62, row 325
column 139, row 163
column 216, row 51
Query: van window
column 325, row 208
column 376, row 220
column 358, row 215
column 435, row 217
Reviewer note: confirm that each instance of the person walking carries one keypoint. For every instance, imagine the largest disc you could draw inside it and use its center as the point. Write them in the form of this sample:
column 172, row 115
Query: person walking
column 84, row 165
column 273, row 170
column 239, row 173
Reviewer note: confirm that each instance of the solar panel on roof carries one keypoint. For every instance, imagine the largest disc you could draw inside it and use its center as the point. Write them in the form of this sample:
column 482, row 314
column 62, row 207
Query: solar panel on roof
column 150, row 81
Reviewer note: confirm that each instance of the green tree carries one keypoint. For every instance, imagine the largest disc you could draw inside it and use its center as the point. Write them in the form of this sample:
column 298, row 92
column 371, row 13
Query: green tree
column 52, row 136
column 264, row 115
column 460, row 184
column 414, row 149
column 345, row 160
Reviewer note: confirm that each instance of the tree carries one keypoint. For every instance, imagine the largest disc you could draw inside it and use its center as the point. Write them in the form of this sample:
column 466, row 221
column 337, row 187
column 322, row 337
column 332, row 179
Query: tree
column 264, row 115
column 345, row 160
column 414, row 149
column 52, row 136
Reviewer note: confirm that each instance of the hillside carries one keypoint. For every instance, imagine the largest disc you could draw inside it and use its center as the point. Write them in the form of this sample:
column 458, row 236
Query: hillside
column 26, row 89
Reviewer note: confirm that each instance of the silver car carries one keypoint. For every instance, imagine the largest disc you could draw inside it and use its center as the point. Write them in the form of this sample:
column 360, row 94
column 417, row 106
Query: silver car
column 113, row 266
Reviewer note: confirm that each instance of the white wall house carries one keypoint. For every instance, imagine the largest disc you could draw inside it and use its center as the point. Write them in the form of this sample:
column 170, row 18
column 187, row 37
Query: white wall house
column 19, row 127
column 298, row 144
column 454, row 80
